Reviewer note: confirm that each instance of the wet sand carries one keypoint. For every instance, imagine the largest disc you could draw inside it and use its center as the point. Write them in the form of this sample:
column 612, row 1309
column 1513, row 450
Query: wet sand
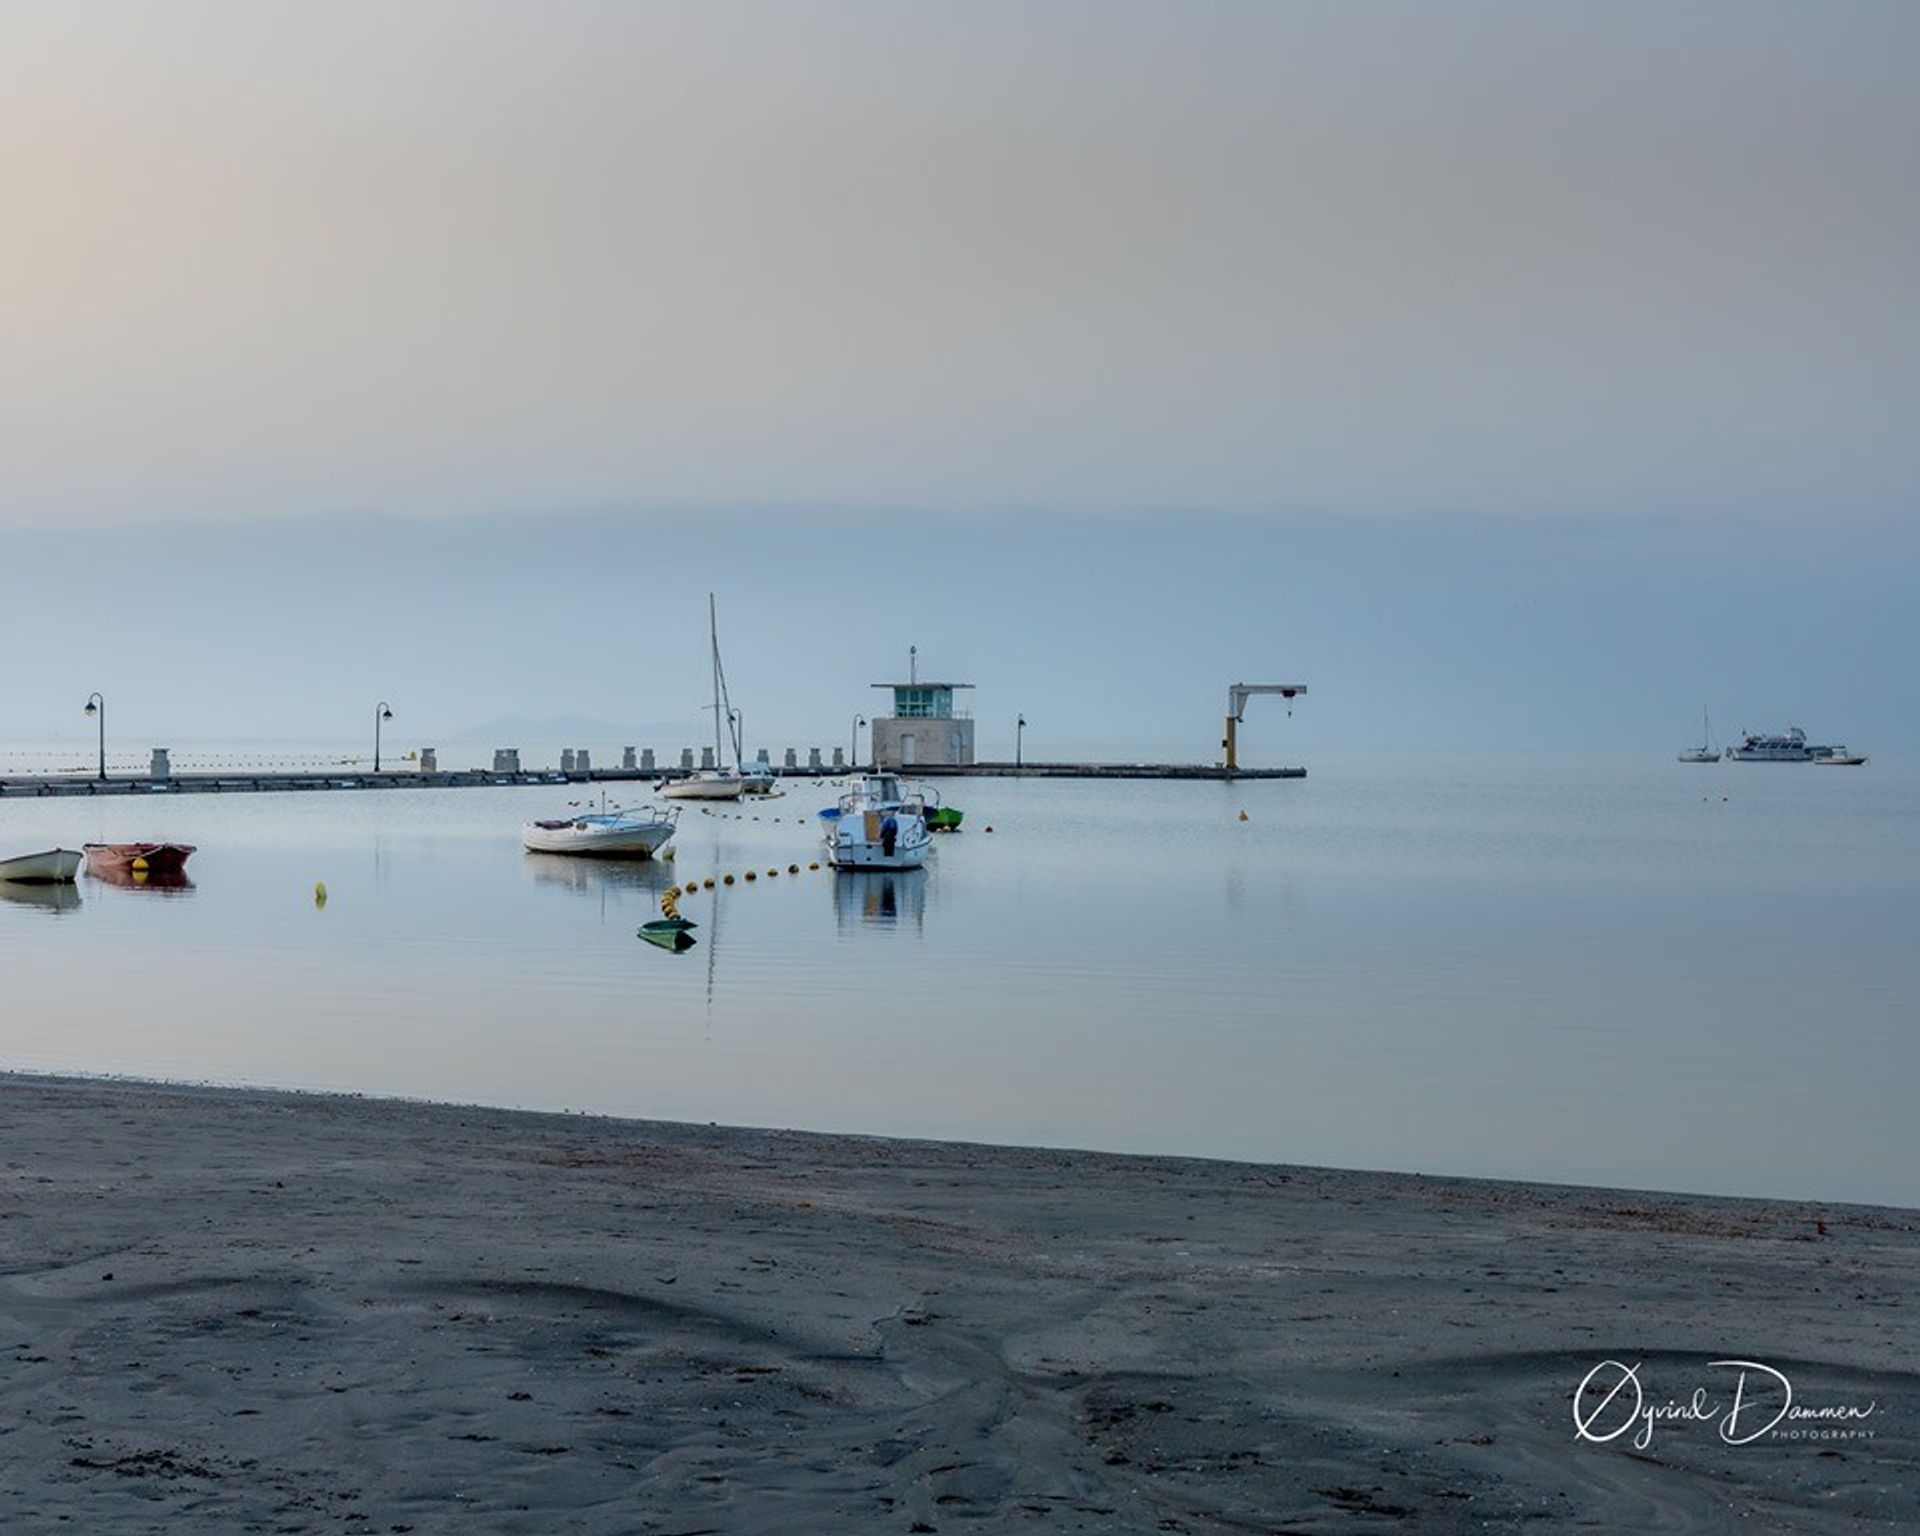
column 242, row 1311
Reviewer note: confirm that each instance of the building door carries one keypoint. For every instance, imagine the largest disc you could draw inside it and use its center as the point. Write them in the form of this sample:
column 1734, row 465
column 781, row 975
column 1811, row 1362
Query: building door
column 907, row 745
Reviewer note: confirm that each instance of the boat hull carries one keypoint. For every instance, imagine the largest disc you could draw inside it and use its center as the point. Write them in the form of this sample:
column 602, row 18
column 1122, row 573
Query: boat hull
column 718, row 787
column 864, row 855
column 855, row 840
column 57, row 866
column 632, row 840
column 126, row 858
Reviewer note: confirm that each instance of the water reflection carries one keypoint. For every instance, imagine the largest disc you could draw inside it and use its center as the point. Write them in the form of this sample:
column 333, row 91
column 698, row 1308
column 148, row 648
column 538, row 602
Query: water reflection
column 598, row 877
column 168, row 882
column 48, row 898
column 880, row 898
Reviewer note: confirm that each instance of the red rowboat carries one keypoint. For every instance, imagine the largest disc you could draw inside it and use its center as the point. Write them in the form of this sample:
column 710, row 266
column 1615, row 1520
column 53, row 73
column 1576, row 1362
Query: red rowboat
column 136, row 858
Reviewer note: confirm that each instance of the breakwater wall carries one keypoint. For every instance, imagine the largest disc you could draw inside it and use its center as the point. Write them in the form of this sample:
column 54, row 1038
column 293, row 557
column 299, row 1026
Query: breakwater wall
column 24, row 786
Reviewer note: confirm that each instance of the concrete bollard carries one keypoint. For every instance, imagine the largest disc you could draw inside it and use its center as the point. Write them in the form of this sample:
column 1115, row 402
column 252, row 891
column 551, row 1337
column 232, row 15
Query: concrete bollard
column 626, row 759
column 429, row 760
column 160, row 770
column 686, row 758
column 646, row 761
column 839, row 759
column 813, row 759
column 582, row 762
column 566, row 759
column 706, row 757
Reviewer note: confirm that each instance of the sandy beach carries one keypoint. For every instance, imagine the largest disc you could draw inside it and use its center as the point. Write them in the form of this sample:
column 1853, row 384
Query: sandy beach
column 251, row 1311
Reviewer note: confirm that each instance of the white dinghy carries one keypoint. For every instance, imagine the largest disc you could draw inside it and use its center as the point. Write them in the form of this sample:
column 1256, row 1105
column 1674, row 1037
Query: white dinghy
column 57, row 866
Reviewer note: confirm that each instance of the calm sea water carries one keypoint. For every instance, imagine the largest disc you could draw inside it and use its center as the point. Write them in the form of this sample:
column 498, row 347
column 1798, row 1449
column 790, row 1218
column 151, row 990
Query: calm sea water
column 1599, row 971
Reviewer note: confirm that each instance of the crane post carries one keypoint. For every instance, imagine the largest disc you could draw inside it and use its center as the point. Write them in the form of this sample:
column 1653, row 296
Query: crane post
column 1237, row 697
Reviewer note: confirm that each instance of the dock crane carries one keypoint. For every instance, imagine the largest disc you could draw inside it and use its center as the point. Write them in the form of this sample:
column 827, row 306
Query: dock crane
column 1237, row 697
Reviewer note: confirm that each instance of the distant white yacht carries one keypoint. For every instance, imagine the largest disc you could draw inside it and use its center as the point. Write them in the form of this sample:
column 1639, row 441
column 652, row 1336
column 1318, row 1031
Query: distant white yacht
column 1790, row 747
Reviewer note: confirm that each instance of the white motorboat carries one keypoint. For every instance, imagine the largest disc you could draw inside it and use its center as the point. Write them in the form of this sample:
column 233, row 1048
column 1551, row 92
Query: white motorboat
column 607, row 834
column 877, row 825
column 57, row 866
column 757, row 777
column 1706, row 752
column 718, row 783
column 1840, row 757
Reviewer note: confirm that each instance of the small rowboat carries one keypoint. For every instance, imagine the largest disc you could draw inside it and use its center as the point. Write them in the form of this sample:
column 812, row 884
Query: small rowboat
column 57, row 866
column 137, row 858
column 669, row 932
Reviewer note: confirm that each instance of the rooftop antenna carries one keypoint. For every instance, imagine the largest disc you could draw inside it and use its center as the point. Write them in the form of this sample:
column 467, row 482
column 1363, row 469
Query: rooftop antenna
column 913, row 663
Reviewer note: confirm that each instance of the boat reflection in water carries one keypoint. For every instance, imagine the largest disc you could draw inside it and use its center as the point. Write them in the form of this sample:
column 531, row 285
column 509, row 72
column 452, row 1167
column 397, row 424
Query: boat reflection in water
column 171, row 882
column 880, row 898
column 54, row 898
column 600, row 877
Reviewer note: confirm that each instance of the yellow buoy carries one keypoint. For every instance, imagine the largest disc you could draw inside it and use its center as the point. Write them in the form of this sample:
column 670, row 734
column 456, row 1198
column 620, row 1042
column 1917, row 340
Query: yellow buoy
column 139, row 864
column 319, row 893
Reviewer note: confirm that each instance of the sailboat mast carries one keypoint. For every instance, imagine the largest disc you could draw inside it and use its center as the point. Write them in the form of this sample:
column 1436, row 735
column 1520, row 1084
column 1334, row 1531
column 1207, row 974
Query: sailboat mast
column 713, row 638
column 722, row 705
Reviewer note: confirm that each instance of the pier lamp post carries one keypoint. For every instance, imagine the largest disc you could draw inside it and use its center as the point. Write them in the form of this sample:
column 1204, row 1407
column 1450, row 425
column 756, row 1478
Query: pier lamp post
column 854, row 760
column 98, row 706
column 1019, row 729
column 382, row 711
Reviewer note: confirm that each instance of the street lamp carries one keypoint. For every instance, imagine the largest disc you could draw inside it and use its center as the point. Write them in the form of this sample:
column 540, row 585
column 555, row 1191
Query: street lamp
column 98, row 706
column 381, row 711
column 858, row 721
column 1019, row 727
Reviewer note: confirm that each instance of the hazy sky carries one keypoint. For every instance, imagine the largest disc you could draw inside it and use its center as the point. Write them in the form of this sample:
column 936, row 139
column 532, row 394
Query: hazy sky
column 1617, row 302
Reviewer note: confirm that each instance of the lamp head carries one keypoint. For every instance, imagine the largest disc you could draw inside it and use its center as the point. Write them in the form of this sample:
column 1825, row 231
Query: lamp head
column 92, row 708
column 386, row 714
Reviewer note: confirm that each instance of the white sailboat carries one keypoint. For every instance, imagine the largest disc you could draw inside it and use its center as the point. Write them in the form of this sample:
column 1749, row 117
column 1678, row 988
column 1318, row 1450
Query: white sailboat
column 719, row 782
column 1706, row 752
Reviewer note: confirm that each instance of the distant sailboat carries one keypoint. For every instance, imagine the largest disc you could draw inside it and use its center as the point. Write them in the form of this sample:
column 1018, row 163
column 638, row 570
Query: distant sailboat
column 1706, row 752
column 719, row 782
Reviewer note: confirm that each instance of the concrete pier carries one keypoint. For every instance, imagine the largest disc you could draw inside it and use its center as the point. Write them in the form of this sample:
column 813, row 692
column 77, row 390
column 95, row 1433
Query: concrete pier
column 1213, row 771
column 24, row 786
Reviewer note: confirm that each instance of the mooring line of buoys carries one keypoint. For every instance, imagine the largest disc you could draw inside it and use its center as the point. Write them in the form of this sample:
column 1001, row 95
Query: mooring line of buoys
column 671, row 896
